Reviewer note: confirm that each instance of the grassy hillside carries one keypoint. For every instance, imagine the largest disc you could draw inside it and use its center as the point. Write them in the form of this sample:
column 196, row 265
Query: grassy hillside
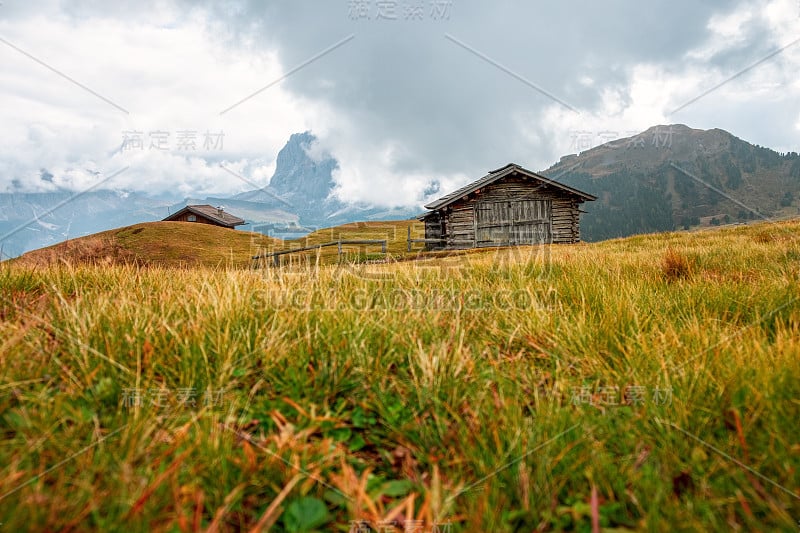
column 168, row 244
column 177, row 244
column 648, row 383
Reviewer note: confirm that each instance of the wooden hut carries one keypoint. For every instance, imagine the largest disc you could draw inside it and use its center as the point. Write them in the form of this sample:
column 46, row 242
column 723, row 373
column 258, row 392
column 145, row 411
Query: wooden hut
column 508, row 206
column 206, row 214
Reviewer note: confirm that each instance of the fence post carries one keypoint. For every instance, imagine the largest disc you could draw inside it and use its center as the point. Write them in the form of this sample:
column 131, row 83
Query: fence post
column 409, row 237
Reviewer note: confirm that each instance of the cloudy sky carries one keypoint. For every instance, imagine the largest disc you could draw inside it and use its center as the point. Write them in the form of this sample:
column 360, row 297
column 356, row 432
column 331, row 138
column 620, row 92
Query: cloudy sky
column 400, row 92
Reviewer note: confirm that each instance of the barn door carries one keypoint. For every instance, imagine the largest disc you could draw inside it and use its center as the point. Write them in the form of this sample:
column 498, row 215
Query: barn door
column 492, row 223
column 531, row 222
column 515, row 222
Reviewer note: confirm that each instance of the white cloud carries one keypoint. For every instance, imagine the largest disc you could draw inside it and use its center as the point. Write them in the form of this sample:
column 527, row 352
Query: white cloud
column 399, row 108
column 752, row 105
column 371, row 175
column 170, row 78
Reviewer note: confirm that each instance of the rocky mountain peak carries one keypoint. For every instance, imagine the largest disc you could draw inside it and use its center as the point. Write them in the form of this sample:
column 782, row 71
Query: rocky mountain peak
column 299, row 171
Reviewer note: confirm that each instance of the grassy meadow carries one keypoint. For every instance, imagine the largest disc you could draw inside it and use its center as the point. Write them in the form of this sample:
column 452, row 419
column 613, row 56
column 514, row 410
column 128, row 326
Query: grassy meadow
column 649, row 383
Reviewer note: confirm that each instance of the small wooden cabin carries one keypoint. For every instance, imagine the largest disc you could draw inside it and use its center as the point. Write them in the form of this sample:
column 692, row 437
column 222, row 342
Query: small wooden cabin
column 508, row 206
column 205, row 214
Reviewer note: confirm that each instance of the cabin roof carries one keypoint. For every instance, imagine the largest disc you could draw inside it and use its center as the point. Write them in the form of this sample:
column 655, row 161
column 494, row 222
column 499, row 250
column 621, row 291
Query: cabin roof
column 210, row 212
column 499, row 174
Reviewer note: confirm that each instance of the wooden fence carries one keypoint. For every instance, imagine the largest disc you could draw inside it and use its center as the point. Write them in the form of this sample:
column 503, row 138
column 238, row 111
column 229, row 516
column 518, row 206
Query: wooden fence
column 276, row 256
column 364, row 242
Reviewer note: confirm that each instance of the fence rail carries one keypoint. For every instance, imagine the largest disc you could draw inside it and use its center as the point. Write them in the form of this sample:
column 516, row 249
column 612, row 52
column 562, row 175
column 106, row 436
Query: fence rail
column 276, row 256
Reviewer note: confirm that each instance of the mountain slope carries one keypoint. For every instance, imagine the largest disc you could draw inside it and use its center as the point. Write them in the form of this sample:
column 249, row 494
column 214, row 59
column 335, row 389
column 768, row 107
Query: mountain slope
column 32, row 220
column 671, row 177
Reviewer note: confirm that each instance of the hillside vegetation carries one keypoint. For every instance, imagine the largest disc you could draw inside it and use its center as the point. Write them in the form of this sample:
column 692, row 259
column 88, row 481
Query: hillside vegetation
column 648, row 383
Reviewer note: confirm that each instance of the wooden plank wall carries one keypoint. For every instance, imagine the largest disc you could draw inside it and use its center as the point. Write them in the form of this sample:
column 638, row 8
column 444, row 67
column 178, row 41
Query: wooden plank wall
column 460, row 216
column 433, row 230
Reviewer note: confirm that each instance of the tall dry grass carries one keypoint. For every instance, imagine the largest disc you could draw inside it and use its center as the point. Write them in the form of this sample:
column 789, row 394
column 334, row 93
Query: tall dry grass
column 643, row 383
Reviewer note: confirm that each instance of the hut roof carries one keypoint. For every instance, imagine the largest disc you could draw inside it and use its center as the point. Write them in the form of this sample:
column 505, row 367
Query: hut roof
column 498, row 174
column 210, row 212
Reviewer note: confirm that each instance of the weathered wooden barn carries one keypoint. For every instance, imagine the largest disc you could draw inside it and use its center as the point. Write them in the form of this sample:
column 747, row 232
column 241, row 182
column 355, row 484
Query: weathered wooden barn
column 508, row 206
column 205, row 214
